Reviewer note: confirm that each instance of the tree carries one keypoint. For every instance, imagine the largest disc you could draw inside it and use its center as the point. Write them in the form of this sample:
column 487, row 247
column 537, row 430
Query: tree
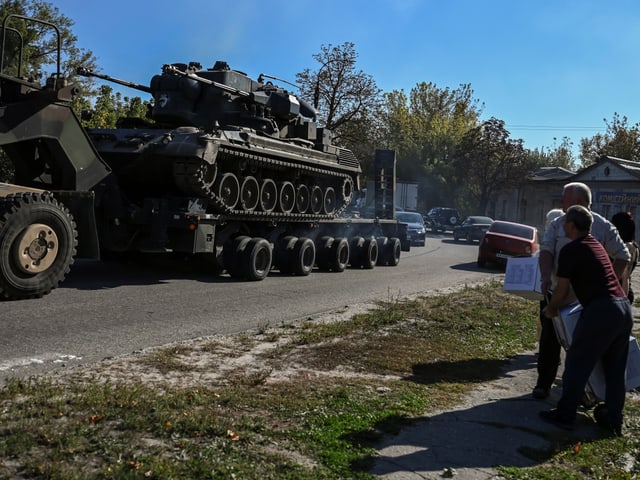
column 39, row 58
column 488, row 161
column 620, row 140
column 559, row 156
column 347, row 99
column 425, row 129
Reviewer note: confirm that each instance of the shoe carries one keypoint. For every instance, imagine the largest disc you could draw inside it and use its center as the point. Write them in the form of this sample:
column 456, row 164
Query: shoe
column 540, row 393
column 552, row 416
column 602, row 420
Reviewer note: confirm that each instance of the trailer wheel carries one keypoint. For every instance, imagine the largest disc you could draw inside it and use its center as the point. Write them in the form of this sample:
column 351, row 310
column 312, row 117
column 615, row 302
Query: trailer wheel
column 370, row 253
column 339, row 255
column 256, row 259
column 389, row 251
column 232, row 254
column 38, row 240
column 363, row 252
column 323, row 252
column 284, row 253
column 304, row 257
column 332, row 254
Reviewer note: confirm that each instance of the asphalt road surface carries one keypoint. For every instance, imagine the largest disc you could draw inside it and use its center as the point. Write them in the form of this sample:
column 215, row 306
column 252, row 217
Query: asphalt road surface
column 104, row 310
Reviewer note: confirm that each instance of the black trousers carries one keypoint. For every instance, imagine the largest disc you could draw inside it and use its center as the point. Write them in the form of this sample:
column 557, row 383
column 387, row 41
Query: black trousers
column 548, row 351
column 602, row 333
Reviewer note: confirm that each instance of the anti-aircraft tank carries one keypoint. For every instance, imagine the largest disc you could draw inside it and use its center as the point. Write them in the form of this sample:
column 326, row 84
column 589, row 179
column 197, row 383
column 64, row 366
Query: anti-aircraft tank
column 247, row 147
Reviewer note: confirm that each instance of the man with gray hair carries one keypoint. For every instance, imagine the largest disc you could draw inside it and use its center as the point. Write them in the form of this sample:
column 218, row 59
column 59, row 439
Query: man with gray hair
column 554, row 239
column 601, row 333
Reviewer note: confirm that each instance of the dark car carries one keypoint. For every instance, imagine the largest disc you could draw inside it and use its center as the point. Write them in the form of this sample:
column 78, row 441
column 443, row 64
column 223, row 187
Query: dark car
column 442, row 218
column 472, row 228
column 507, row 239
column 416, row 231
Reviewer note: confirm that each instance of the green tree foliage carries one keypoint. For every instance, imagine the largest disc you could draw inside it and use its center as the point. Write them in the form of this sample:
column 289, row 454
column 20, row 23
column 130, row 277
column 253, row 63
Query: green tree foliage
column 39, row 56
column 347, row 99
column 488, row 161
column 620, row 140
column 109, row 107
column 559, row 156
column 425, row 130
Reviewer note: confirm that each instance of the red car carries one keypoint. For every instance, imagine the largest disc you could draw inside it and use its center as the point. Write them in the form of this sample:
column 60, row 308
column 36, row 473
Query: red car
column 507, row 239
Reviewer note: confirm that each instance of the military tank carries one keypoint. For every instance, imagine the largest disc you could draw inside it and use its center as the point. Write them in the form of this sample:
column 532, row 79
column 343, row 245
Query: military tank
column 248, row 147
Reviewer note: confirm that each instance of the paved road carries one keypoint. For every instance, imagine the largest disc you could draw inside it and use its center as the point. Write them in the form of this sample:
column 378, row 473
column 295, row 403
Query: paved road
column 105, row 310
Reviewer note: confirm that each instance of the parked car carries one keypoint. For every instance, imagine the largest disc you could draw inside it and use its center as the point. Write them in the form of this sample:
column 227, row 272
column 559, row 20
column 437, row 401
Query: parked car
column 507, row 239
column 442, row 218
column 416, row 231
column 472, row 228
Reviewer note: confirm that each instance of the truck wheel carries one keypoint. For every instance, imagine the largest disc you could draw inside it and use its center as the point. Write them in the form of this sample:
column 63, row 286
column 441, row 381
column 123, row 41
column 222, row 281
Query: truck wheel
column 256, row 259
column 339, row 256
column 284, row 253
column 370, row 252
column 38, row 240
column 233, row 252
column 304, row 257
column 391, row 252
column 323, row 253
column 382, row 244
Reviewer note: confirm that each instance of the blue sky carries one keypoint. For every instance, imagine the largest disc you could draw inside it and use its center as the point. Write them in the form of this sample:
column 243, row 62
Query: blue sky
column 549, row 69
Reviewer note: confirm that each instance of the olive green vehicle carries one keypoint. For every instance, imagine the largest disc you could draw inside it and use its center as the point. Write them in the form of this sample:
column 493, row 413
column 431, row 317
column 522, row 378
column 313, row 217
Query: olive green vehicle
column 230, row 170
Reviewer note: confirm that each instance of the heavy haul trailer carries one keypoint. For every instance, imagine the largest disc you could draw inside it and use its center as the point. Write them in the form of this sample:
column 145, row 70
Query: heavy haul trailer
column 228, row 169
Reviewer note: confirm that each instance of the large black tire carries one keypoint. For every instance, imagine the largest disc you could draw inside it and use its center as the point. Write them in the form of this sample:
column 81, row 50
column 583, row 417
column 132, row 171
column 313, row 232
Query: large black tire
column 332, row 254
column 389, row 251
column 304, row 257
column 284, row 253
column 38, row 240
column 363, row 252
column 256, row 259
column 233, row 256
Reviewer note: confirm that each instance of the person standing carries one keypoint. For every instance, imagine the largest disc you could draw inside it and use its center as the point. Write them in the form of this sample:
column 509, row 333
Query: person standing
column 601, row 333
column 627, row 229
column 554, row 239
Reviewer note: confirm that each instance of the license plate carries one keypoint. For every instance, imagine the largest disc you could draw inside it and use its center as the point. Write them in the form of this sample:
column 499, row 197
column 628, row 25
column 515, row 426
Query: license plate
column 503, row 255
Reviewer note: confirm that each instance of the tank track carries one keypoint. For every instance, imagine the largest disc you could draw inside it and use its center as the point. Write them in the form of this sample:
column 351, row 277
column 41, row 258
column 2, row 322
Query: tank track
column 193, row 177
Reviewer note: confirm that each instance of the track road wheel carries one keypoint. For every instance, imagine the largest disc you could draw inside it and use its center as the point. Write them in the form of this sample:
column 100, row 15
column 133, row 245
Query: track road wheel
column 286, row 197
column 256, row 259
column 316, row 200
column 268, row 195
column 38, row 240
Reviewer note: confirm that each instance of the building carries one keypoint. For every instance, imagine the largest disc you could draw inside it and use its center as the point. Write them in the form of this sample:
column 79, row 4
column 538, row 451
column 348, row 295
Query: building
column 614, row 183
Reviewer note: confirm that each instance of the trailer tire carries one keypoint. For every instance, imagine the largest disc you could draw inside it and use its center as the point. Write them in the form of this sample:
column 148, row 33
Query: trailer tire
column 332, row 254
column 256, row 259
column 391, row 252
column 284, row 253
column 339, row 254
column 38, row 240
column 233, row 255
column 304, row 257
column 363, row 252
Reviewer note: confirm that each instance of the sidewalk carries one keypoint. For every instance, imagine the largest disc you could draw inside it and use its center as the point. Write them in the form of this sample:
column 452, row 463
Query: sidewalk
column 497, row 425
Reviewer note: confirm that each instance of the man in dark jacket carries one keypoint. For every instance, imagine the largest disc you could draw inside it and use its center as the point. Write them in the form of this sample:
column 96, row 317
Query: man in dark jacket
column 602, row 332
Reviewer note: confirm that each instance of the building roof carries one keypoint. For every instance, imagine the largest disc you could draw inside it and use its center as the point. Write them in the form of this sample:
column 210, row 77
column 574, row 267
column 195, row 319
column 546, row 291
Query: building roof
column 551, row 173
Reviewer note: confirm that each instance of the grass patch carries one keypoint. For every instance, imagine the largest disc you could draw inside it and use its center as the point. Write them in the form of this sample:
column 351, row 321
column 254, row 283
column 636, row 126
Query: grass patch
column 308, row 401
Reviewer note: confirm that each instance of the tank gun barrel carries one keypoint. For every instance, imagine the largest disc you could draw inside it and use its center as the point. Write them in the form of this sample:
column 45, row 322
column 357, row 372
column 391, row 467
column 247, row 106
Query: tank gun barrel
column 85, row 72
column 176, row 71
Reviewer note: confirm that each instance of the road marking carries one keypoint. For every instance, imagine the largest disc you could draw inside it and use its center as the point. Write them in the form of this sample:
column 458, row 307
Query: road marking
column 27, row 361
